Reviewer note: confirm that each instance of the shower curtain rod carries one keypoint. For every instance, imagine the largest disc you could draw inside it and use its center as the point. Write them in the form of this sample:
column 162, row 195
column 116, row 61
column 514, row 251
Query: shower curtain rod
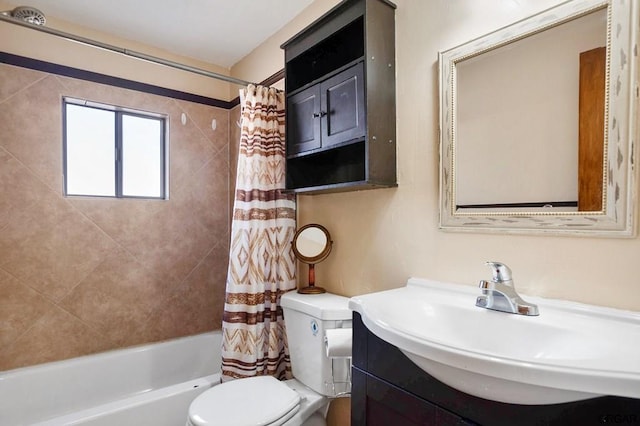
column 124, row 51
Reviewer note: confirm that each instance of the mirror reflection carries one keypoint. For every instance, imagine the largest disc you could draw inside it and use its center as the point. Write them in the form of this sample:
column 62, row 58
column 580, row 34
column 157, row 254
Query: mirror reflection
column 311, row 242
column 519, row 108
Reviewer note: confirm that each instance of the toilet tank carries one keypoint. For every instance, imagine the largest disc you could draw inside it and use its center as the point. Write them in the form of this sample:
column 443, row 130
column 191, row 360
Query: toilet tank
column 307, row 317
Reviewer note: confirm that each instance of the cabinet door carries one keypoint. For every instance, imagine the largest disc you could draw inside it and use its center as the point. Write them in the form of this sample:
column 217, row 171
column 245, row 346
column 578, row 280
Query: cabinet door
column 375, row 402
column 303, row 127
column 342, row 107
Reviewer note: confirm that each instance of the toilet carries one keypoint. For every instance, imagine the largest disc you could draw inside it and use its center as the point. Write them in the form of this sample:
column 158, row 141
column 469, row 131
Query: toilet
column 301, row 401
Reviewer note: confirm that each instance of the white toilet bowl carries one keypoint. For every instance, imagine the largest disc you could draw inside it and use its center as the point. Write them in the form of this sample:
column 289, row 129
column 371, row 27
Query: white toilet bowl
column 259, row 401
column 303, row 401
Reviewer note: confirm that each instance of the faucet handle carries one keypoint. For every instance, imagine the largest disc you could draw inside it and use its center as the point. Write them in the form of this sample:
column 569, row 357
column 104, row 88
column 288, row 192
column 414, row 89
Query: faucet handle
column 501, row 272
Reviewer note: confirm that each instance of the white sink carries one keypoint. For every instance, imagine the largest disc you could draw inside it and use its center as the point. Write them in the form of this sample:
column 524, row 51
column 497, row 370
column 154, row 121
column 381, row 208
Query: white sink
column 568, row 353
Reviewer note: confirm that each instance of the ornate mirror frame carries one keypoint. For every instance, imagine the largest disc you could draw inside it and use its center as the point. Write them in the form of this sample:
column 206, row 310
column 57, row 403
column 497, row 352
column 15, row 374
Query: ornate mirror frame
column 617, row 217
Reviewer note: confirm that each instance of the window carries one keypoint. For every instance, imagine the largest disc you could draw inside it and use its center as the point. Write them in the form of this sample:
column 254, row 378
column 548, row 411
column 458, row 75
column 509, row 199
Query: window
column 113, row 152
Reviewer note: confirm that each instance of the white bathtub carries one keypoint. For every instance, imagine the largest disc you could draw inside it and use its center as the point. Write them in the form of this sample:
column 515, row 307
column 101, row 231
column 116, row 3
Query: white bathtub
column 145, row 385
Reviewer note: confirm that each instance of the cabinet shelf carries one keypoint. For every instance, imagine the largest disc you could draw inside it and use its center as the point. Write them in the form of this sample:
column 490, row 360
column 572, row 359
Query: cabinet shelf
column 340, row 48
column 340, row 86
column 337, row 166
column 327, row 189
column 313, row 152
column 328, row 75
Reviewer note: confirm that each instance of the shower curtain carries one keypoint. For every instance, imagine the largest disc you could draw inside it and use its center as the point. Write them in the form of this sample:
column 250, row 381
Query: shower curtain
column 261, row 261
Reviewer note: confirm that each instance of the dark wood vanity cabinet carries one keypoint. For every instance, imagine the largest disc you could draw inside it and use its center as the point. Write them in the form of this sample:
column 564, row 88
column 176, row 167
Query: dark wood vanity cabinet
column 388, row 389
column 340, row 86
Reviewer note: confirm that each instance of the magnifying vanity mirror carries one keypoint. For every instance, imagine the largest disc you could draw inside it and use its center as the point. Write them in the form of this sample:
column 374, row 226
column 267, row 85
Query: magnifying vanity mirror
column 538, row 122
column 311, row 244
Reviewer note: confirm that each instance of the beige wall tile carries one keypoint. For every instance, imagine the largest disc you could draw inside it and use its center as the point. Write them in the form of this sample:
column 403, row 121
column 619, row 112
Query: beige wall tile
column 189, row 148
column 202, row 116
column 118, row 296
column 103, row 93
column 207, row 193
column 20, row 306
column 20, row 189
column 52, row 247
column 14, row 79
column 204, row 289
column 80, row 274
column 56, row 335
column 31, row 123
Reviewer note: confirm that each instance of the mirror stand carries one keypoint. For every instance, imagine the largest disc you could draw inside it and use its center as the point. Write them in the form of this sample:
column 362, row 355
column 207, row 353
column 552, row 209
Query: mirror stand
column 311, row 244
column 311, row 288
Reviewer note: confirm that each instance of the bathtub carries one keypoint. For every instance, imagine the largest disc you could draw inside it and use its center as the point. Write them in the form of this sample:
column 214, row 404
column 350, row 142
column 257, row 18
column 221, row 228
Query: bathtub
column 144, row 385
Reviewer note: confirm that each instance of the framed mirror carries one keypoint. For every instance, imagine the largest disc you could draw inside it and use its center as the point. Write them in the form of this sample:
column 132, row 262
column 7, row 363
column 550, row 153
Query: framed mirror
column 312, row 244
column 538, row 123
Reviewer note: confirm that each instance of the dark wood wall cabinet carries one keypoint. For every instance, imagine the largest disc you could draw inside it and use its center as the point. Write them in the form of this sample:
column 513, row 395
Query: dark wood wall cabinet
column 388, row 389
column 340, row 86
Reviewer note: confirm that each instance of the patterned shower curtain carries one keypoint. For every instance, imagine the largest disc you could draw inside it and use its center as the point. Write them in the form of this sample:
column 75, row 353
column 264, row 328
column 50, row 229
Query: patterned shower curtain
column 261, row 261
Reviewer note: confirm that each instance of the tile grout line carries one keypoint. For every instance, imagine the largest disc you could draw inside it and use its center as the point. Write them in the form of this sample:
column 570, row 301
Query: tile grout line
column 28, row 86
column 174, row 293
column 39, row 293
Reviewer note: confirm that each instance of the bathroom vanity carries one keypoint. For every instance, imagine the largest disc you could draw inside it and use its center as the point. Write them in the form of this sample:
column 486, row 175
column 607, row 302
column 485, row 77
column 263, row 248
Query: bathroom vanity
column 389, row 389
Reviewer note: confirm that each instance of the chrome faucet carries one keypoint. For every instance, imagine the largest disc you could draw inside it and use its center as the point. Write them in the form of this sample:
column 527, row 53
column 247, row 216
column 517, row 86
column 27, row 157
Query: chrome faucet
column 499, row 294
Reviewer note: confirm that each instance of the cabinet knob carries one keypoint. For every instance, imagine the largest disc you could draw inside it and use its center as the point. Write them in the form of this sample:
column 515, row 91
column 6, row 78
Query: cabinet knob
column 319, row 114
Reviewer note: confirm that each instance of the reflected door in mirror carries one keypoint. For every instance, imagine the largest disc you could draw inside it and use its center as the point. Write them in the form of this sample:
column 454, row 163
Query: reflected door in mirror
column 593, row 69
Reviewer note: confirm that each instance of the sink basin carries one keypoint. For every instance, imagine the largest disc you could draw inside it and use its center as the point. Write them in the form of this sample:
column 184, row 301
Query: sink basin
column 569, row 352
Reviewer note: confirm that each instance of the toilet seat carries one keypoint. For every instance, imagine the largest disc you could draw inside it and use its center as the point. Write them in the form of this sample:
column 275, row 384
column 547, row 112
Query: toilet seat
column 254, row 401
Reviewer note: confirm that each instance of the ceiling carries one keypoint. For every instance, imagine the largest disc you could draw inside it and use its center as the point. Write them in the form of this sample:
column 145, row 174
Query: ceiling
column 219, row 32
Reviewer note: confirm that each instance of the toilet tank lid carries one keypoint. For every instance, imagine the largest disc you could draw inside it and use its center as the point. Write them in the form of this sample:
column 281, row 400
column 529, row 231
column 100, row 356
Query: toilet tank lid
column 324, row 306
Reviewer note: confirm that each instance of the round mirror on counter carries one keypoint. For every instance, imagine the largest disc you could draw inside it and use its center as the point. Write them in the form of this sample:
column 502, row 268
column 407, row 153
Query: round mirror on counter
column 311, row 244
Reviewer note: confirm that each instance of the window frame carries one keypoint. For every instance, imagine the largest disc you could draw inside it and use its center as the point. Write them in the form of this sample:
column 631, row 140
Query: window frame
column 119, row 112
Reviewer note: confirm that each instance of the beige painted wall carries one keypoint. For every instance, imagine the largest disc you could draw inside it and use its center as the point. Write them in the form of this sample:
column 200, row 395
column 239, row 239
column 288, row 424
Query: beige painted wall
column 268, row 58
column 384, row 236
